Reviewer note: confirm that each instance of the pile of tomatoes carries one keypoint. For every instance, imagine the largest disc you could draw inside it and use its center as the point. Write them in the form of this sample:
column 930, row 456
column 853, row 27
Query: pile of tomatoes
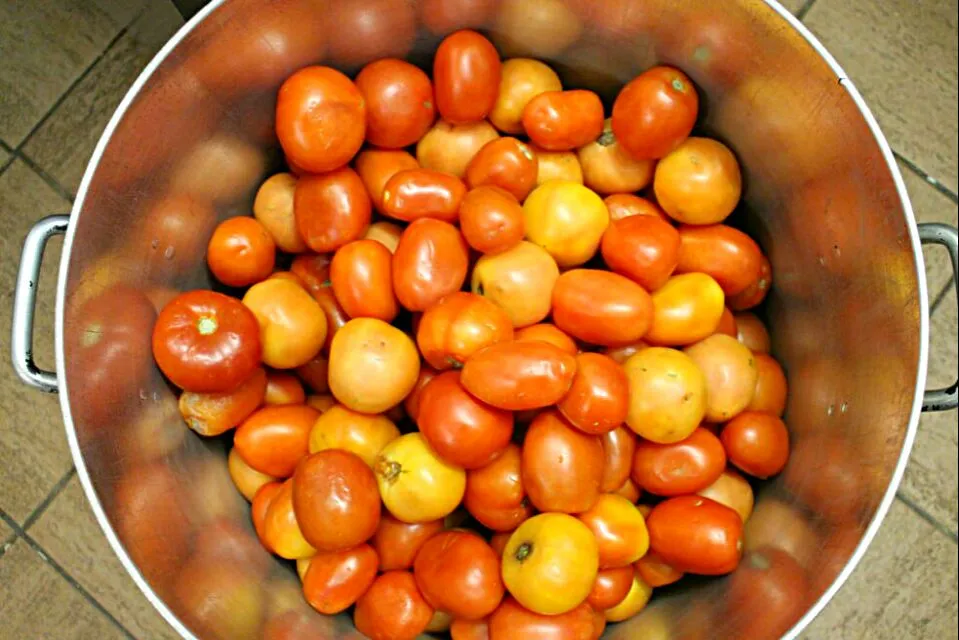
column 501, row 364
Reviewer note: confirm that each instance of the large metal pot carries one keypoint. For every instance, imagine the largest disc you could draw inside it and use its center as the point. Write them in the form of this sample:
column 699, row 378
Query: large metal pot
column 193, row 137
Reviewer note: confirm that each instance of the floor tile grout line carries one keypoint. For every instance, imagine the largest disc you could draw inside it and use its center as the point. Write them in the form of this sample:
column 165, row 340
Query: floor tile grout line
column 14, row 527
column 925, row 515
column 803, row 10
column 52, row 182
column 46, row 502
column 933, row 182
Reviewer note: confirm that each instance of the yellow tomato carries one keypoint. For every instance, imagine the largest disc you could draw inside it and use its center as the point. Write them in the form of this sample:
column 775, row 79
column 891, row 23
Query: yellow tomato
column 521, row 80
column 373, row 365
column 686, row 309
column 281, row 531
column 361, row 433
column 732, row 490
column 415, row 483
column 667, row 394
column 556, row 165
column 520, row 280
column 550, row 563
column 634, row 602
column 302, row 564
column 620, row 531
column 566, row 219
column 247, row 479
column 292, row 323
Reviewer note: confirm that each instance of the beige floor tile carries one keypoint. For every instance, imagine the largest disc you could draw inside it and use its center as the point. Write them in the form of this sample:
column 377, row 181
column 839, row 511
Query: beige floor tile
column 68, row 531
column 63, row 144
column 792, row 5
column 33, row 450
column 901, row 54
column 36, row 602
column 905, row 586
column 930, row 205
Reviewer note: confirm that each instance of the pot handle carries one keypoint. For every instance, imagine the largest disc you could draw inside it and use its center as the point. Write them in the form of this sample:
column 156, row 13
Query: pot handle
column 937, row 233
column 25, row 300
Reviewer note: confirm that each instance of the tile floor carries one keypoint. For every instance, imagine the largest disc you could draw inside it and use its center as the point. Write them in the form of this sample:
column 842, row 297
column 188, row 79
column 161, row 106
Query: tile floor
column 65, row 64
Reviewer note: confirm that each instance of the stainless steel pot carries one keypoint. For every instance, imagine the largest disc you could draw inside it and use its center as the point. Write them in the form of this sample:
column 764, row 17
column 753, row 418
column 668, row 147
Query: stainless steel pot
column 193, row 137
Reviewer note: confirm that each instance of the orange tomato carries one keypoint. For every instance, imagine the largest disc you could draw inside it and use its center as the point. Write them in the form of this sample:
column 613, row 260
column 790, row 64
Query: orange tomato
column 624, row 205
column 211, row 414
column 634, row 602
column 335, row 580
column 273, row 208
column 283, row 388
column 770, row 393
column 631, row 492
column 321, row 403
column 619, row 529
column 430, row 262
column 292, row 325
column 610, row 588
column 643, row 248
column 679, row 468
column 556, row 165
column 655, row 572
column 412, row 402
column 732, row 258
column 608, row 168
column 757, row 443
column 494, row 493
column 731, row 375
column 562, row 468
column 398, row 542
column 423, row 193
column 598, row 400
column 522, row 80
column 619, row 445
column 457, row 572
column 450, row 147
column 386, row 233
column 655, row 112
column 247, row 479
column 520, row 280
column 360, row 433
column 506, row 163
column 331, row 209
column 259, row 507
column 686, row 309
column 392, row 608
column 563, row 120
column 667, row 394
column 751, row 331
column 600, row 307
column 756, row 292
column 732, row 490
column 699, row 182
column 274, row 439
column 375, row 168
column 361, row 274
column 417, row 485
column 466, row 75
column 519, row 375
column 566, row 219
column 399, row 102
column 696, row 535
column 546, row 332
column 513, row 620
column 281, row 532
column 491, row 219
column 458, row 326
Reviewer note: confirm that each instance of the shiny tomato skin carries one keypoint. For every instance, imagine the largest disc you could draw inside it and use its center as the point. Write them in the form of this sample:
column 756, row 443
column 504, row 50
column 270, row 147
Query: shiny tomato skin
column 519, row 375
column 609, row 169
column 619, row 529
column 757, row 443
column 274, row 439
column 206, row 342
column 361, row 274
column 241, row 252
column 397, row 542
column 732, row 490
column 375, row 168
column 506, row 163
column 696, row 535
column 731, row 257
column 655, row 112
column 423, row 193
column 771, row 386
column 283, row 388
column 655, row 572
column 491, row 219
column 600, row 307
column 513, row 620
column 548, row 333
column 756, row 292
column 259, row 506
column 522, row 80
column 336, row 579
column 698, row 183
column 598, row 400
column 392, row 608
column 320, row 119
column 686, row 309
column 679, row 468
column 494, row 493
column 563, row 120
column 399, row 102
column 562, row 468
column 281, row 532
column 293, row 326
column 619, row 446
column 412, row 402
column 624, row 205
column 430, row 262
column 458, row 326
column 466, row 75
column 610, row 588
column 331, row 209
column 450, row 147
column 643, row 248
column 457, row 572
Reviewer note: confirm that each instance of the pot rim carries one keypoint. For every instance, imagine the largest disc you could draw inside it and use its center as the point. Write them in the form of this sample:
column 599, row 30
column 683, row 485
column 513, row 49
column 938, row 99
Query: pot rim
column 871, row 530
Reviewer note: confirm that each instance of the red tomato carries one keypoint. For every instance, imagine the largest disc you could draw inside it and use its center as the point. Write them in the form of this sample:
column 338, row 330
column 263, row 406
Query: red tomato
column 563, row 120
column 757, row 443
column 375, row 168
column 469, row 630
column 412, row 401
column 459, row 428
column 731, row 257
column 562, row 467
column 495, row 494
column 756, row 292
column 679, row 468
column 624, row 205
column 619, row 445
column 511, row 620
column 362, row 277
column 458, row 326
column 283, row 388
column 397, row 542
column 399, row 103
column 519, row 375
column 423, row 193
column 547, row 333
column 506, row 163
column 320, row 119
column 491, row 219
column 335, row 580
column 206, row 342
column 241, row 252
column 770, row 393
column 392, row 608
column 655, row 572
column 610, row 588
column 598, row 400
column 331, row 209
column 643, row 248
column 696, row 535
column 655, row 112
column 751, row 331
column 430, row 262
column 466, row 74
column 457, row 572
column 600, row 307
column 274, row 439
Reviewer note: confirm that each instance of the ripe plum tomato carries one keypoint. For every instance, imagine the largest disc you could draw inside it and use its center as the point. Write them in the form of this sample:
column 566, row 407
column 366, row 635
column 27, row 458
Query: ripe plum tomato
column 598, row 400
column 495, row 495
column 563, row 120
column 450, row 147
column 457, row 572
column 247, row 479
column 644, row 248
column 506, row 163
column 283, row 388
column 320, row 119
column 562, row 468
column 610, row 588
column 240, row 252
column 756, row 292
column 430, row 262
column 686, row 309
column 619, row 529
column 274, row 439
column 624, row 205
column 732, row 490
column 556, row 165
column 519, row 375
column 397, row 542
column 600, row 307
column 211, row 414
column 273, row 208
column 634, row 602
column 373, row 365
column 360, row 433
column 546, row 332
column 466, row 77
column 281, row 533
column 415, row 483
column 619, row 446
column 732, row 258
column 770, row 393
column 757, row 443
column 699, row 182
column 375, row 168
column 655, row 572
column 491, row 219
column 392, row 608
column 361, row 274
column 687, row 466
column 520, row 280
column 751, row 331
column 608, row 168
column 462, row 430
column 731, row 375
column 566, row 219
column 423, row 193
column 513, row 620
column 550, row 563
column 458, row 326
column 292, row 325
column 696, row 535
column 667, row 394
column 331, row 209
column 335, row 580
column 522, row 80
column 655, row 112
column 399, row 102
column 206, row 342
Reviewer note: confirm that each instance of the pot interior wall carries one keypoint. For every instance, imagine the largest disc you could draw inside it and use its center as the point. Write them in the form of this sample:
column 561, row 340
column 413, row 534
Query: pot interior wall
column 198, row 137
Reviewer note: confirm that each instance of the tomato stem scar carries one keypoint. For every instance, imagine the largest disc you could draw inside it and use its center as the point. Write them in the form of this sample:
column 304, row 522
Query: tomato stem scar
column 523, row 551
column 206, row 325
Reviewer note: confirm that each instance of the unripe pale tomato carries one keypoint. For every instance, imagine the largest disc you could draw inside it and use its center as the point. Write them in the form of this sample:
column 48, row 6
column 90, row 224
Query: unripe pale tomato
column 292, row 324
column 450, row 147
column 520, row 280
column 522, row 80
column 667, row 394
column 566, row 219
column 731, row 375
column 415, row 483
